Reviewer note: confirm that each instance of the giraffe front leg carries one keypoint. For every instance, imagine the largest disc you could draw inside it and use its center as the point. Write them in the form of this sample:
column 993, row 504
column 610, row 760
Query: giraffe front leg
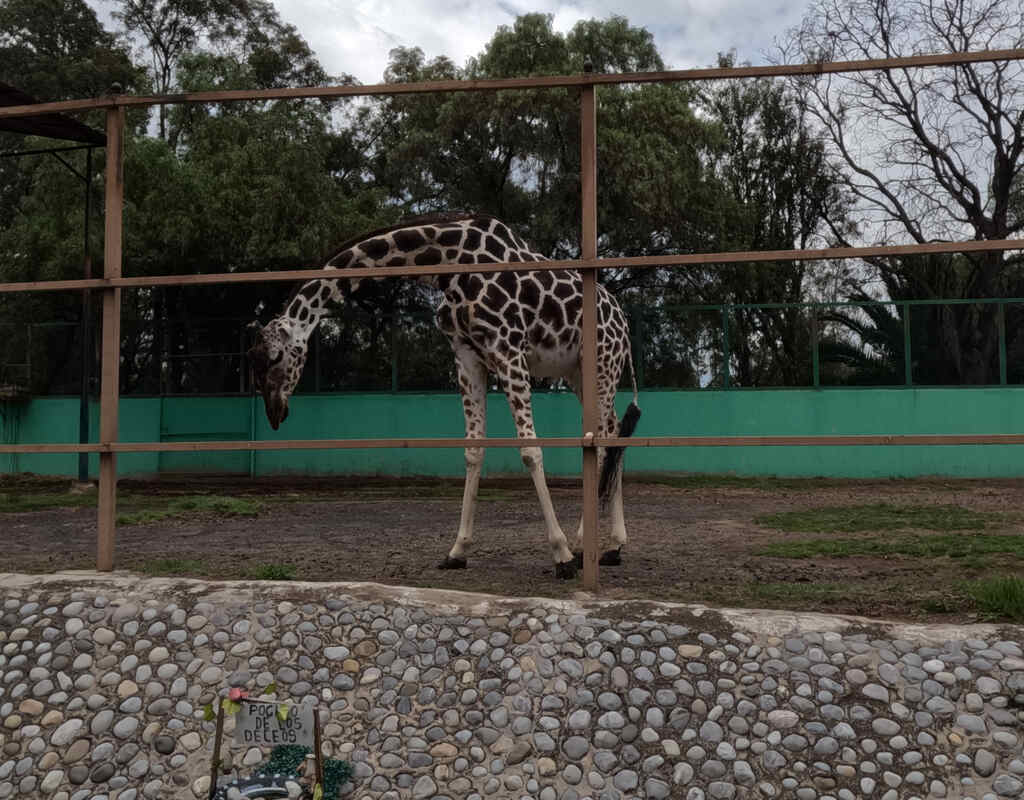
column 515, row 379
column 565, row 563
column 473, row 387
column 456, row 558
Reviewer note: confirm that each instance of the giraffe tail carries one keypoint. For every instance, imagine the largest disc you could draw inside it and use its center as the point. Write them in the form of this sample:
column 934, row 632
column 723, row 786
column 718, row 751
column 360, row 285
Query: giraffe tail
column 613, row 455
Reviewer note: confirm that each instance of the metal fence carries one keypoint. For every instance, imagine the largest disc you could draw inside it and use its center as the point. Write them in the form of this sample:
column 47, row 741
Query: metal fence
column 355, row 351
column 113, row 283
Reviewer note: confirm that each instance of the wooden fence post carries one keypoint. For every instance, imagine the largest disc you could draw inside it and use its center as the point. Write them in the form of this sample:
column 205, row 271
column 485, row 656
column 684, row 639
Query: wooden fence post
column 111, row 348
column 588, row 180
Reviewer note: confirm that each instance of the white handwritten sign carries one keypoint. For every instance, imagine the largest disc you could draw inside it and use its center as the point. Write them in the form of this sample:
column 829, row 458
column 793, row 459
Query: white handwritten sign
column 257, row 724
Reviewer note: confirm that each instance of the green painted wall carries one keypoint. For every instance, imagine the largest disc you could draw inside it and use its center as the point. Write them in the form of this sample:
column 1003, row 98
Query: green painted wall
column 781, row 412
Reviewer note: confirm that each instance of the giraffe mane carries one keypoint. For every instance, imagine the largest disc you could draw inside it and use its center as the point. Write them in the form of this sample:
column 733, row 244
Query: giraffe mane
column 435, row 218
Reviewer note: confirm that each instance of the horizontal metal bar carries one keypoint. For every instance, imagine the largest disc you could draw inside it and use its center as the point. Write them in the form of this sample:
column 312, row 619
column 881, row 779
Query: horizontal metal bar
column 284, row 444
column 546, row 82
column 826, row 304
column 853, row 440
column 900, row 440
column 46, row 150
column 682, row 260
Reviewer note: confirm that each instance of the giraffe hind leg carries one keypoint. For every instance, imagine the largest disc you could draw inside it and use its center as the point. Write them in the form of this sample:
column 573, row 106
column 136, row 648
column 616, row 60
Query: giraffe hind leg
column 609, row 427
column 515, row 379
column 473, row 387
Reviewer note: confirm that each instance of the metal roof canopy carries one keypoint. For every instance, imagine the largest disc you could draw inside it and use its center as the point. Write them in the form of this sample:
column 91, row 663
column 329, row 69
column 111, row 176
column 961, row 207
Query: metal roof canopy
column 54, row 126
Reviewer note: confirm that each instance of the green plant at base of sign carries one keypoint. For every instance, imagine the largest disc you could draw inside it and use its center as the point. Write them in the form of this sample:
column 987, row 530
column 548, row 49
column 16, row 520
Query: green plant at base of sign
column 287, row 759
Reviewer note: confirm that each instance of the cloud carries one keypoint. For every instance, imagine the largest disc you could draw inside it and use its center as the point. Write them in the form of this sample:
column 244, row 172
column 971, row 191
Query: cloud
column 355, row 37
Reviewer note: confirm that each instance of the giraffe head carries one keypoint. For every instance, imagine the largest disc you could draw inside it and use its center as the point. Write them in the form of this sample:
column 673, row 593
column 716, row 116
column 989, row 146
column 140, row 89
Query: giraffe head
column 276, row 356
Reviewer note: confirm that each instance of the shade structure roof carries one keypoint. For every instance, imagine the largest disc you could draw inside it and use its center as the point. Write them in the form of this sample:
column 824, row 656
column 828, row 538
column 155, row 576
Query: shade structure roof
column 54, row 126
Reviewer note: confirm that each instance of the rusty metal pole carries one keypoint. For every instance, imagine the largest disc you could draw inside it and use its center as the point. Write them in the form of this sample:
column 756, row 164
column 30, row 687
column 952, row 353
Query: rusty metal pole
column 86, row 328
column 218, row 737
column 588, row 179
column 111, row 343
column 318, row 745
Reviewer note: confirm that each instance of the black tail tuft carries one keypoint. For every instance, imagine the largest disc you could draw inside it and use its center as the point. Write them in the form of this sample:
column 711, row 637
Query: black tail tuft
column 613, row 455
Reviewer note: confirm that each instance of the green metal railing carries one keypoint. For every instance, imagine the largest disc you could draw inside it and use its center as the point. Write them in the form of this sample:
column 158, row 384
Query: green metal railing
column 725, row 311
column 714, row 324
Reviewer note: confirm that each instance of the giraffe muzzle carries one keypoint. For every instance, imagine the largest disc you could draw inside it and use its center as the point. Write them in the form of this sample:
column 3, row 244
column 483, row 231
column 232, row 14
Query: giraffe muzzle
column 277, row 410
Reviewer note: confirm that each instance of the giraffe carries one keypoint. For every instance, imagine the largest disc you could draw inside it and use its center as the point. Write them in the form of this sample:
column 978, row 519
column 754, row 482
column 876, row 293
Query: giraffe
column 512, row 325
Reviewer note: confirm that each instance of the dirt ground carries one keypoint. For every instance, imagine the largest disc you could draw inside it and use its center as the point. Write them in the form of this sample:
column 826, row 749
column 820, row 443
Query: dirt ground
column 690, row 540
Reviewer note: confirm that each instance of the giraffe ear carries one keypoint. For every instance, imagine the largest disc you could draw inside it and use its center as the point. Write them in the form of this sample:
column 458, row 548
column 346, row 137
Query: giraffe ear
column 253, row 331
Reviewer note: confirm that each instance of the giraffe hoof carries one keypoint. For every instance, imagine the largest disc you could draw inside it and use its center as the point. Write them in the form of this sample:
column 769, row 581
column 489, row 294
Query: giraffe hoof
column 577, row 559
column 452, row 563
column 611, row 558
column 566, row 569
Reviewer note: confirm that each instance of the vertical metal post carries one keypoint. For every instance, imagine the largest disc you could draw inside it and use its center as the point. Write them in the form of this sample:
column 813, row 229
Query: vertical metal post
column 637, row 346
column 316, row 360
column 726, row 355
column 394, row 353
column 1001, row 326
column 252, row 431
column 241, row 361
column 111, row 348
column 86, row 333
column 218, row 737
column 318, row 745
column 908, row 364
column 815, row 365
column 588, row 178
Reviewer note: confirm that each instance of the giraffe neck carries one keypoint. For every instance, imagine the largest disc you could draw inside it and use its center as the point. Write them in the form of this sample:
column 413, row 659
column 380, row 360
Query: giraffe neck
column 440, row 239
column 311, row 304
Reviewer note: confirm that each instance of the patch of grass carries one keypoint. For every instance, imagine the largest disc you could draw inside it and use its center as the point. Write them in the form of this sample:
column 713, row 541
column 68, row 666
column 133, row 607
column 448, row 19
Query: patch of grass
column 881, row 517
column 137, row 509
column 173, row 566
column 1001, row 596
column 439, row 492
column 952, row 545
column 142, row 517
column 785, row 592
column 271, row 572
column 702, row 481
column 13, row 502
column 30, row 482
column 943, row 604
column 157, row 509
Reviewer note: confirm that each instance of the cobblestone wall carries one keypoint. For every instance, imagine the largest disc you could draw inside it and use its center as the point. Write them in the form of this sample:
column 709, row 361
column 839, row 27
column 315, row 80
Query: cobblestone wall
column 431, row 694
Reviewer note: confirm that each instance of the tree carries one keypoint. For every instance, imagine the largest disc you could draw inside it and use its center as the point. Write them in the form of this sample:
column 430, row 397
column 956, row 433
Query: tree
column 515, row 154
column 57, row 49
column 776, row 190
column 251, row 30
column 246, row 187
column 930, row 154
column 52, row 50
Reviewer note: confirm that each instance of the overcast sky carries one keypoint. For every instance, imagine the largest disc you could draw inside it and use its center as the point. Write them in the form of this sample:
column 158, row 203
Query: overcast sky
column 354, row 36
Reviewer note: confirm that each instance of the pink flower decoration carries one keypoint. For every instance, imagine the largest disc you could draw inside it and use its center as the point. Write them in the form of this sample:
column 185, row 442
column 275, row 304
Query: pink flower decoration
column 237, row 694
